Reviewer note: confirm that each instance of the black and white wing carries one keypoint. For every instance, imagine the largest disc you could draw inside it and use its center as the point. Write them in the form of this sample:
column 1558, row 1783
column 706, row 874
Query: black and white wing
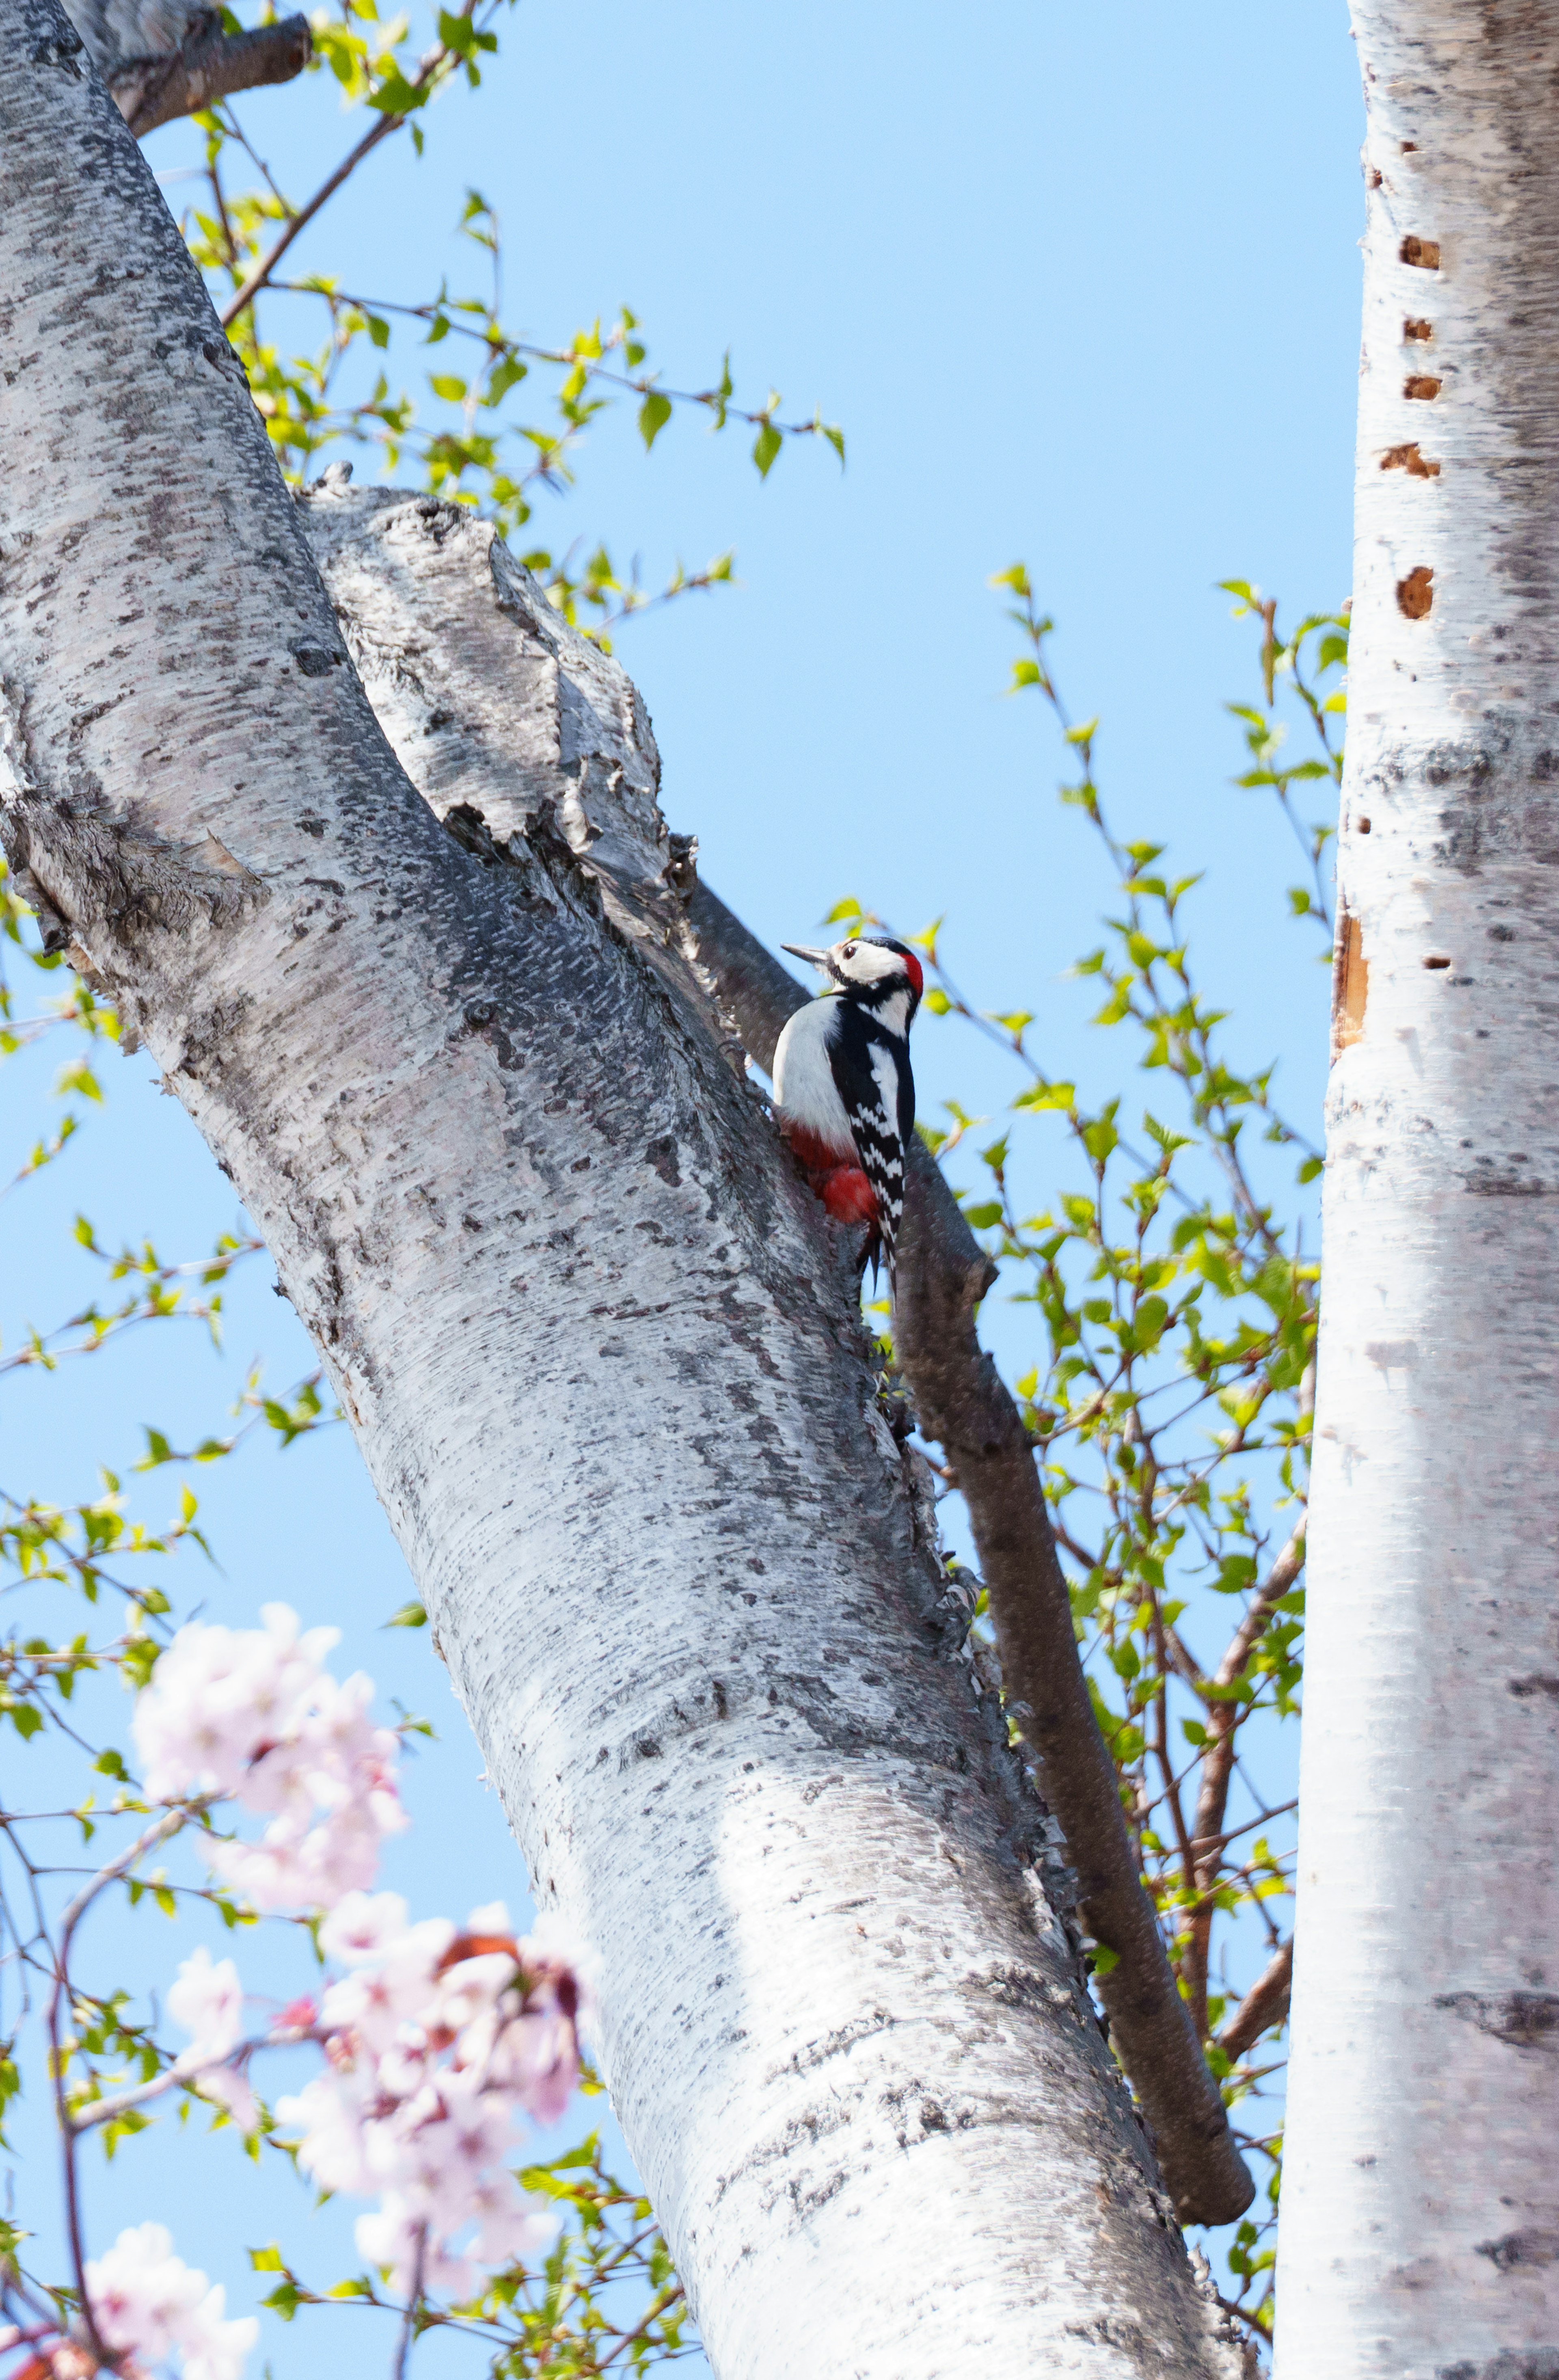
column 872, row 1072
column 881, row 1146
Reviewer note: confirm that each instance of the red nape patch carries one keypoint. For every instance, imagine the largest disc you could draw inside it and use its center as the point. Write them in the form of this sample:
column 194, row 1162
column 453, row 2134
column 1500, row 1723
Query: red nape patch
column 915, row 971
column 848, row 1195
column 818, row 1156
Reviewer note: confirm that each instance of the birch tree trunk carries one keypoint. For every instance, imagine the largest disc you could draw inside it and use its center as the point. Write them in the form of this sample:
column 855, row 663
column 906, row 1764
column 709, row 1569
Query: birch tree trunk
column 417, row 613
column 587, row 1325
column 1420, row 2211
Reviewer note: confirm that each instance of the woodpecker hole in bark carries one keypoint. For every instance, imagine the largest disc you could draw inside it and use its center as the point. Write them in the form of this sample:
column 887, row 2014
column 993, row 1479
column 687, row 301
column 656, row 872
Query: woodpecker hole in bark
column 1371, row 178
column 1363, row 826
column 1415, row 327
column 1425, row 253
column 1350, row 985
column 1414, row 596
column 1437, row 963
column 1421, row 385
column 1408, row 459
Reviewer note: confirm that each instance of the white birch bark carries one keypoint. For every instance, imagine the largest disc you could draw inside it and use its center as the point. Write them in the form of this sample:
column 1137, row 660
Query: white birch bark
column 584, row 1320
column 1420, row 2213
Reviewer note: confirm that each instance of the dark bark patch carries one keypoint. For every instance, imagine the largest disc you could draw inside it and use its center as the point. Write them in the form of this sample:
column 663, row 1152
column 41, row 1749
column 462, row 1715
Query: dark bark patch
column 1510, row 2363
column 1523, row 2020
column 316, row 661
column 1424, row 253
column 1422, row 386
column 1526, row 2249
column 1416, row 328
column 1528, row 1690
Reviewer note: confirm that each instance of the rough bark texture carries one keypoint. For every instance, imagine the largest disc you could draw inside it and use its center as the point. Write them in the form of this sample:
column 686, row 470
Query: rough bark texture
column 587, row 1327
column 1420, row 2212
column 965, row 1406
column 165, row 59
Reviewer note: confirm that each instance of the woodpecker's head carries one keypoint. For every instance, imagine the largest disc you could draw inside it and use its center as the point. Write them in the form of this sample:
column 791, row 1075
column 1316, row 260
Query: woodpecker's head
column 880, row 974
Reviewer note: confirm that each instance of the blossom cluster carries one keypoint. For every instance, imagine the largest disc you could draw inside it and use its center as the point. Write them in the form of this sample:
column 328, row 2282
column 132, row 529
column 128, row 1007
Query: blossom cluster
column 436, row 2044
column 253, row 1715
column 148, row 2302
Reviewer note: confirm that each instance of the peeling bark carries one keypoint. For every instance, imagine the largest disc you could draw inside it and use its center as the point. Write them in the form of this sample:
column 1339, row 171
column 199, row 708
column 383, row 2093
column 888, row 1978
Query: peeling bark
column 591, row 1335
column 1423, row 2088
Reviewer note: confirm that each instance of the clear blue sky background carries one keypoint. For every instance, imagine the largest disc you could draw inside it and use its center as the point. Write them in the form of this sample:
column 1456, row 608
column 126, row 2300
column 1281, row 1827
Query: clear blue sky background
column 1081, row 286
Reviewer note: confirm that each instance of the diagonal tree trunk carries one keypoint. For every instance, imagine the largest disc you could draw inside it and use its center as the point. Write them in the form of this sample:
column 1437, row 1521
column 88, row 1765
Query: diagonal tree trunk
column 414, row 591
column 588, row 1328
column 1420, row 2212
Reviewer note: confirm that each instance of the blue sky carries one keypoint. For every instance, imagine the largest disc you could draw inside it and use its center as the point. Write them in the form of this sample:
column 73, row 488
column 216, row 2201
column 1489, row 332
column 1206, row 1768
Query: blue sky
column 1081, row 286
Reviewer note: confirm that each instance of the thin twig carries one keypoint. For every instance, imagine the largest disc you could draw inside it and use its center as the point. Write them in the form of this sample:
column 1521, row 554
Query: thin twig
column 408, row 2327
column 435, row 59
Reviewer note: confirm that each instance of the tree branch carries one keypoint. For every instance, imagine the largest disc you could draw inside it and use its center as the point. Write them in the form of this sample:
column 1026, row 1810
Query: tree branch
column 1264, row 2004
column 966, row 1406
column 1218, row 1760
column 209, row 65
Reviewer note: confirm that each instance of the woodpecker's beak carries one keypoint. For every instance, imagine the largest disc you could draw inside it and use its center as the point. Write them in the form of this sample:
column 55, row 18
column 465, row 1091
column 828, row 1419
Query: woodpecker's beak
column 813, row 958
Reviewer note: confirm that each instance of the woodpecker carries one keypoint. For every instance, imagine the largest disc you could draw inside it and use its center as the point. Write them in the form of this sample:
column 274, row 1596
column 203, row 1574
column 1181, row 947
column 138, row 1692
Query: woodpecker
column 842, row 1089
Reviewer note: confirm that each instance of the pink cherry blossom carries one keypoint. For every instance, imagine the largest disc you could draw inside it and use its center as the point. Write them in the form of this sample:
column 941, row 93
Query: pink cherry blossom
column 207, row 2000
column 148, row 2302
column 435, row 2047
column 362, row 1926
column 253, row 1715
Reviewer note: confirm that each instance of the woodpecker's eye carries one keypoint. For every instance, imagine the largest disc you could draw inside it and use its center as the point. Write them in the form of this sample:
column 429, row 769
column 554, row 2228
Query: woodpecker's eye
column 849, row 952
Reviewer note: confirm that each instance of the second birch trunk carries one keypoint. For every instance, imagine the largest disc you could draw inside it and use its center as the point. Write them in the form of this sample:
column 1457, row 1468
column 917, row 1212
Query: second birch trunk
column 1420, row 2236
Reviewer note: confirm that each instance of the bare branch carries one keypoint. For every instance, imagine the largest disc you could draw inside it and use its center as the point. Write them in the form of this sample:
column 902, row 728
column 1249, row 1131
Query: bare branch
column 1266, row 2004
column 1218, row 1760
column 208, row 65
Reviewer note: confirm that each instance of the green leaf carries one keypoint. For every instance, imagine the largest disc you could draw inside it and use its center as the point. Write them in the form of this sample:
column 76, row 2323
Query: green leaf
column 410, row 1615
column 653, row 415
column 765, row 448
column 504, row 376
column 447, row 385
column 395, row 96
